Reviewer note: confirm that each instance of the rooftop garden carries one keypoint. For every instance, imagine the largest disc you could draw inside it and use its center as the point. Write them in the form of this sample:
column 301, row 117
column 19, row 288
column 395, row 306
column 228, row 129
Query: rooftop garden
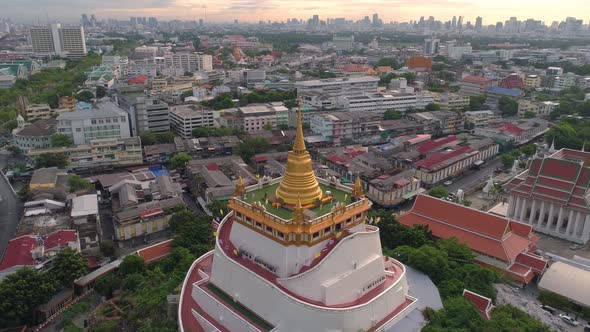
column 266, row 196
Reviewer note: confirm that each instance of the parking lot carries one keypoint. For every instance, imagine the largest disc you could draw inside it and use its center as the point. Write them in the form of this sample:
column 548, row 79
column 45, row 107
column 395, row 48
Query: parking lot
column 561, row 247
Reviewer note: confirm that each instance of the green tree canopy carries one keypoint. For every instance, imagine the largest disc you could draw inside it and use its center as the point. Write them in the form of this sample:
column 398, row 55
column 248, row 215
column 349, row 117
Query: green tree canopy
column 251, row 146
column 76, row 183
column 507, row 160
column 192, row 232
column 131, row 264
column 61, row 140
column 530, row 115
column 151, row 138
column 529, row 150
column 59, row 160
column 392, row 115
column 476, row 103
column 439, row 192
column 68, row 266
column 85, row 96
column 179, row 160
column 100, row 92
column 391, row 62
column 432, row 107
column 508, row 106
column 222, row 101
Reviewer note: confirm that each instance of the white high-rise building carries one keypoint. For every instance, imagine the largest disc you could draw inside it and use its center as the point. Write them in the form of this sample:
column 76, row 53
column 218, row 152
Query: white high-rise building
column 431, row 46
column 189, row 61
column 57, row 40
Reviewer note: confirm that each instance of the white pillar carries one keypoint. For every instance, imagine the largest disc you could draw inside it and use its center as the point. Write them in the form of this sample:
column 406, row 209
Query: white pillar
column 542, row 213
column 569, row 222
column 533, row 212
column 522, row 210
column 560, row 217
column 579, row 225
column 586, row 231
column 516, row 213
column 559, row 221
column 510, row 206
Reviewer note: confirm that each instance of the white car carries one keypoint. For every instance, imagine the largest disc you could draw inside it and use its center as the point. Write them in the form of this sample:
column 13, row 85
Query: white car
column 568, row 320
column 448, row 183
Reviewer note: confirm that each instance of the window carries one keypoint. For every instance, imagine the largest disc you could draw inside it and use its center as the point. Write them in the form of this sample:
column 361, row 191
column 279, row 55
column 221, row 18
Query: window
column 78, row 130
column 315, row 235
column 93, row 121
column 258, row 225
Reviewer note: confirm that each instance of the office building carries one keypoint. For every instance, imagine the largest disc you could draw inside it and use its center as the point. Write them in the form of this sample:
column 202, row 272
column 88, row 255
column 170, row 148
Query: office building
column 256, row 118
column 387, row 100
column 189, row 61
column 456, row 51
column 478, row 23
column 57, row 40
column 339, row 128
column 343, row 42
column 431, row 46
column 103, row 120
column 474, row 86
column 147, row 112
column 185, row 118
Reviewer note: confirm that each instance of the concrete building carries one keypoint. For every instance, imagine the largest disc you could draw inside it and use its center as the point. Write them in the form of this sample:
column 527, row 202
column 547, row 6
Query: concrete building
column 481, row 118
column 431, row 46
column 532, row 81
column 550, row 195
column 189, row 61
column 343, row 42
column 539, row 109
column 102, row 153
column 474, row 86
column 334, row 89
column 256, row 118
column 36, row 135
column 456, row 51
column 451, row 101
column 147, row 112
column 387, row 100
column 103, row 120
column 57, row 40
column 513, row 133
column 443, row 122
column 391, row 190
column 494, row 94
column 185, row 118
column 564, row 81
column 340, row 128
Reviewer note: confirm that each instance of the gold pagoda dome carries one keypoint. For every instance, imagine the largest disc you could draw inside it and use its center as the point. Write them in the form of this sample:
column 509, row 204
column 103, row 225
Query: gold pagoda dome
column 299, row 184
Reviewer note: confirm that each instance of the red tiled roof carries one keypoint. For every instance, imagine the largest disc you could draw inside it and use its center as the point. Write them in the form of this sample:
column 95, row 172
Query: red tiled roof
column 141, row 79
column 430, row 145
column 482, row 232
column 438, row 158
column 60, row 239
column 510, row 128
column 481, row 303
column 536, row 263
column 212, row 167
column 156, row 251
column 521, row 229
column 261, row 158
column 150, row 212
column 521, row 273
column 475, row 79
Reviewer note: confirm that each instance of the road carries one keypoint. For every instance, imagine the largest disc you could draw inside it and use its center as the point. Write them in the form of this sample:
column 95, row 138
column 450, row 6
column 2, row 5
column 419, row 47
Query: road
column 472, row 178
column 10, row 209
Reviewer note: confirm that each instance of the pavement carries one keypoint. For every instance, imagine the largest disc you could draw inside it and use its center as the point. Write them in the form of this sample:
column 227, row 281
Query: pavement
column 10, row 208
column 471, row 178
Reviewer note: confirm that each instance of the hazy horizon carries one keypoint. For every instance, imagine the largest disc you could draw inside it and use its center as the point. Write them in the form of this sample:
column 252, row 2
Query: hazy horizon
column 69, row 11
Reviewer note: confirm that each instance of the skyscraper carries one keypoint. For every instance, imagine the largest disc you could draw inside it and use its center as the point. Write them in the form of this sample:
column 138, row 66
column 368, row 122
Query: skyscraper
column 55, row 40
column 431, row 46
column 454, row 23
column 376, row 20
column 478, row 23
column 460, row 23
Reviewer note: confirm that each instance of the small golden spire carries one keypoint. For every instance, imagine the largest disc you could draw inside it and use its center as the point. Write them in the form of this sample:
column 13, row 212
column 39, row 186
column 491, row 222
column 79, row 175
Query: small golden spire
column 240, row 187
column 298, row 215
column 357, row 189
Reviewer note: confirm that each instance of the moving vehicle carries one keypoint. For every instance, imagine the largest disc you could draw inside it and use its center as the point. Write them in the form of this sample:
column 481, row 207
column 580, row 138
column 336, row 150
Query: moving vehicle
column 549, row 309
column 568, row 320
column 448, row 183
column 575, row 247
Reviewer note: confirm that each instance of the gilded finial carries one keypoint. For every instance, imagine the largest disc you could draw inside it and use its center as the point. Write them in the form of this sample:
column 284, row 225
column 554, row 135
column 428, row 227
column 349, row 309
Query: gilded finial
column 357, row 189
column 298, row 215
column 240, row 187
column 299, row 146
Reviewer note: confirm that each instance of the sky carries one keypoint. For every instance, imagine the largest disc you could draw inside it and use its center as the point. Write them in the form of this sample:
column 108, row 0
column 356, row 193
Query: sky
column 279, row 10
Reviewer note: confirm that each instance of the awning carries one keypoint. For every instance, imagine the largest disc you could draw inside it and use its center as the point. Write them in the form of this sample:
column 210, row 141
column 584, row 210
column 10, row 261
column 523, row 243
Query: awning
column 414, row 193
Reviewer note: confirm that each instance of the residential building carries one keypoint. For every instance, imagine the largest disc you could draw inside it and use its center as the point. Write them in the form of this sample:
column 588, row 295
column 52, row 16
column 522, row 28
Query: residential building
column 57, row 40
column 147, row 112
column 36, row 135
column 499, row 243
column 431, row 46
column 494, row 94
column 481, row 118
column 474, row 86
column 207, row 147
column 451, row 101
column 189, row 61
column 564, row 81
column 343, row 42
column 541, row 109
column 256, row 118
column 443, row 122
column 532, row 81
column 104, row 153
column 185, row 118
column 103, row 120
column 341, row 128
column 551, row 195
column 333, row 89
column 387, row 100
column 515, row 133
column 402, row 127
column 38, row 112
column 67, row 102
column 392, row 190
column 86, row 220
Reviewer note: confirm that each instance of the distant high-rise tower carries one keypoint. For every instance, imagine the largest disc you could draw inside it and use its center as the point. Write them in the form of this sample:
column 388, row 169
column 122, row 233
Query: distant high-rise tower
column 55, row 40
column 460, row 23
column 376, row 20
column 454, row 23
column 431, row 46
column 85, row 21
column 478, row 23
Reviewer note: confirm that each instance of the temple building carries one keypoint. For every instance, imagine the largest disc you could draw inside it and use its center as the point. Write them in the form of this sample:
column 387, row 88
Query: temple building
column 296, row 254
column 552, row 195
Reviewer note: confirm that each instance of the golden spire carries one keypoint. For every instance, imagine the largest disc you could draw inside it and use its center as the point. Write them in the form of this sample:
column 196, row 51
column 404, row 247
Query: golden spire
column 240, row 187
column 357, row 189
column 299, row 184
column 298, row 215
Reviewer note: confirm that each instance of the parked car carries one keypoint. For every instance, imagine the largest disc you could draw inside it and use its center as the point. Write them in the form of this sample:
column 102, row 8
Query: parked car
column 448, row 183
column 499, row 170
column 549, row 309
column 568, row 320
column 575, row 247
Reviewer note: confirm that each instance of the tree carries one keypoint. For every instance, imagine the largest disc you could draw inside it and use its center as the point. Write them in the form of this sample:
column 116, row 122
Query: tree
column 85, row 96
column 457, row 315
column 508, row 106
column 251, row 146
column 218, row 208
column 529, row 115
column 21, row 292
column 131, row 264
column 76, row 183
column 529, row 150
column 565, row 136
column 59, row 160
column 438, row 192
column 392, row 115
column 476, row 102
column 509, row 318
column 432, row 107
column 148, row 138
column 68, row 266
column 192, row 232
column 428, row 259
column 14, row 150
column 508, row 160
column 391, row 62
column 106, row 285
column 61, row 140
column 179, row 160
column 268, row 127
column 107, row 248
column 100, row 92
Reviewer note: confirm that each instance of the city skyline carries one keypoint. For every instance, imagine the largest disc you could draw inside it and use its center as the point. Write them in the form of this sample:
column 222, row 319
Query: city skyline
column 252, row 10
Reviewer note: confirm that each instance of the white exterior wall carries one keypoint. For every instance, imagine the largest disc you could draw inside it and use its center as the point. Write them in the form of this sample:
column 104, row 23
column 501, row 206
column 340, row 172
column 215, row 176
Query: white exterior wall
column 286, row 313
column 288, row 260
column 220, row 312
column 355, row 262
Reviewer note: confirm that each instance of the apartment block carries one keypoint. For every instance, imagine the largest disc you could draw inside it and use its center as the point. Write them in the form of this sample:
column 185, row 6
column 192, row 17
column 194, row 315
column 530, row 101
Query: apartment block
column 334, row 89
column 57, row 40
column 385, row 101
column 185, row 118
column 340, row 128
column 147, row 112
column 474, row 86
